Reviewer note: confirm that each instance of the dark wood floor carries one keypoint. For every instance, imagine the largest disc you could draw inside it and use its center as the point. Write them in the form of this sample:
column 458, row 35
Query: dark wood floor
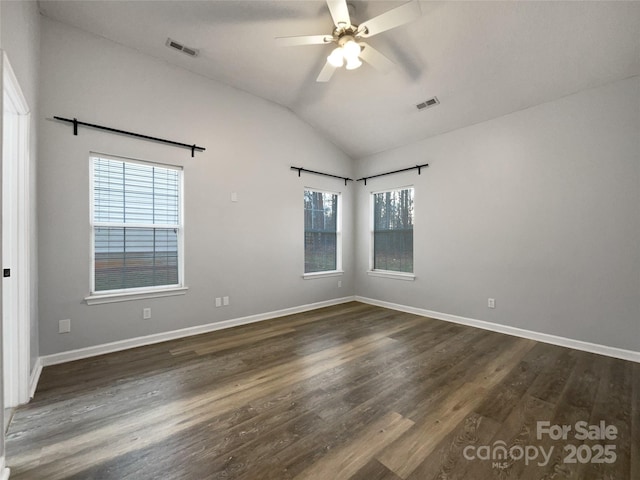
column 345, row 392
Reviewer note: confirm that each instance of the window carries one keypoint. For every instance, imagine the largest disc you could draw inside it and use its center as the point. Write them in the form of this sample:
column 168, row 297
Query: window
column 136, row 225
column 321, row 232
column 393, row 230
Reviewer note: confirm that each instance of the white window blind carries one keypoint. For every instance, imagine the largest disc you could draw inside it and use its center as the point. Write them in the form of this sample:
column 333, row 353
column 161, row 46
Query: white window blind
column 393, row 230
column 321, row 243
column 137, row 225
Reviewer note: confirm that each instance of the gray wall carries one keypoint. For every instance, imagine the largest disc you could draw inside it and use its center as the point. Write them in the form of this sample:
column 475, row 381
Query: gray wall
column 21, row 42
column 539, row 209
column 250, row 250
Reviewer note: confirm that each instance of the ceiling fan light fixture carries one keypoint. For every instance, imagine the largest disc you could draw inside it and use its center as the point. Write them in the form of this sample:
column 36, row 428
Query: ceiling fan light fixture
column 353, row 63
column 351, row 50
column 336, row 58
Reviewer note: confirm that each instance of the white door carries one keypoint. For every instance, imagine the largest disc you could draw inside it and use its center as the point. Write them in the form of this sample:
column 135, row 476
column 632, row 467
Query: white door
column 15, row 240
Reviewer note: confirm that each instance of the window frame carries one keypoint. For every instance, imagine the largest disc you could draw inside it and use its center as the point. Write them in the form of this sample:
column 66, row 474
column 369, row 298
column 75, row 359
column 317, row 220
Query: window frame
column 378, row 272
column 338, row 270
column 134, row 293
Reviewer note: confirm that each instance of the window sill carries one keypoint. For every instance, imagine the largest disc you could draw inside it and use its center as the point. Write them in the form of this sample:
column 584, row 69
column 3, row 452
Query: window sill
column 409, row 277
column 333, row 273
column 98, row 299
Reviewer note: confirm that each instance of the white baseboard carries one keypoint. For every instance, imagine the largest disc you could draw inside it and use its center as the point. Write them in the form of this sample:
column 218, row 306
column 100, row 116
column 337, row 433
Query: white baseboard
column 518, row 332
column 35, row 377
column 93, row 351
column 4, row 471
column 120, row 345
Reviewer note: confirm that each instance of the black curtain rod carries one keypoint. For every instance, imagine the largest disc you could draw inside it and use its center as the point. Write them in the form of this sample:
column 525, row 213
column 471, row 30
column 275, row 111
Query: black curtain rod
column 300, row 170
column 417, row 167
column 76, row 122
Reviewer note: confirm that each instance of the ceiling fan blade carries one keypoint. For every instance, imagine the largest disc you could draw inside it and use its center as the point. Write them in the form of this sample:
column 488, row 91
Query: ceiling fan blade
column 326, row 73
column 376, row 59
column 304, row 40
column 391, row 19
column 339, row 12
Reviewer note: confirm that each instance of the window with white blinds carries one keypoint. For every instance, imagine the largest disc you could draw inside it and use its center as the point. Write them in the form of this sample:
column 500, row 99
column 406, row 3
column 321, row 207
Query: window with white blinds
column 136, row 224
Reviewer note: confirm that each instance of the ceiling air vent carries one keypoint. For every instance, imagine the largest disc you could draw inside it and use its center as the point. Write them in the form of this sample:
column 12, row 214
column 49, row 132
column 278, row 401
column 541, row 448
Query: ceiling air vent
column 432, row 102
column 192, row 52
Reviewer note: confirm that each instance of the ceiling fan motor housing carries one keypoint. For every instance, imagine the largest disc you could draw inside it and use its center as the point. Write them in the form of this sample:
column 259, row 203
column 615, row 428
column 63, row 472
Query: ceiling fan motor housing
column 344, row 39
column 350, row 31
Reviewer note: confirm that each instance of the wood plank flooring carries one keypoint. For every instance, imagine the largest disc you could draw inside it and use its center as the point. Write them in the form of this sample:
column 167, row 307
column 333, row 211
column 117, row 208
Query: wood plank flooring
column 345, row 392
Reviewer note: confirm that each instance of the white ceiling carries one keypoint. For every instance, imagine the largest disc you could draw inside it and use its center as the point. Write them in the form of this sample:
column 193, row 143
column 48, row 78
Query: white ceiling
column 481, row 59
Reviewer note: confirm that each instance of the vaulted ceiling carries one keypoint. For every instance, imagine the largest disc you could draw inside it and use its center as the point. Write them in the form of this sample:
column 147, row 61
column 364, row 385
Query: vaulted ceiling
column 481, row 59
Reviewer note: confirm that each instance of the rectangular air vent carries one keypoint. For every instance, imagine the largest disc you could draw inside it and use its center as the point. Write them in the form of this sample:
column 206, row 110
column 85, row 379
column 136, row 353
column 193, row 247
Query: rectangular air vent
column 428, row 103
column 192, row 52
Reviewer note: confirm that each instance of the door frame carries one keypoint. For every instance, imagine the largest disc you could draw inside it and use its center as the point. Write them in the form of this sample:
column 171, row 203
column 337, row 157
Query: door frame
column 16, row 338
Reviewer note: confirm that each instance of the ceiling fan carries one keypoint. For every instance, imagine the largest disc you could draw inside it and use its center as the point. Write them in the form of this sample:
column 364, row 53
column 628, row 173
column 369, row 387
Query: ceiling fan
column 350, row 48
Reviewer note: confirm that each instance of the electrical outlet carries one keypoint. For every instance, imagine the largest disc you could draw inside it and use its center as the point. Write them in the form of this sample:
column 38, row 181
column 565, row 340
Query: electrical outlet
column 491, row 303
column 225, row 301
column 218, row 302
column 146, row 313
column 64, row 326
column 339, row 283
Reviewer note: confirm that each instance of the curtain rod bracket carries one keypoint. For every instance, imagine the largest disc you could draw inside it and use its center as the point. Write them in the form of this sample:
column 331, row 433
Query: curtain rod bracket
column 75, row 127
